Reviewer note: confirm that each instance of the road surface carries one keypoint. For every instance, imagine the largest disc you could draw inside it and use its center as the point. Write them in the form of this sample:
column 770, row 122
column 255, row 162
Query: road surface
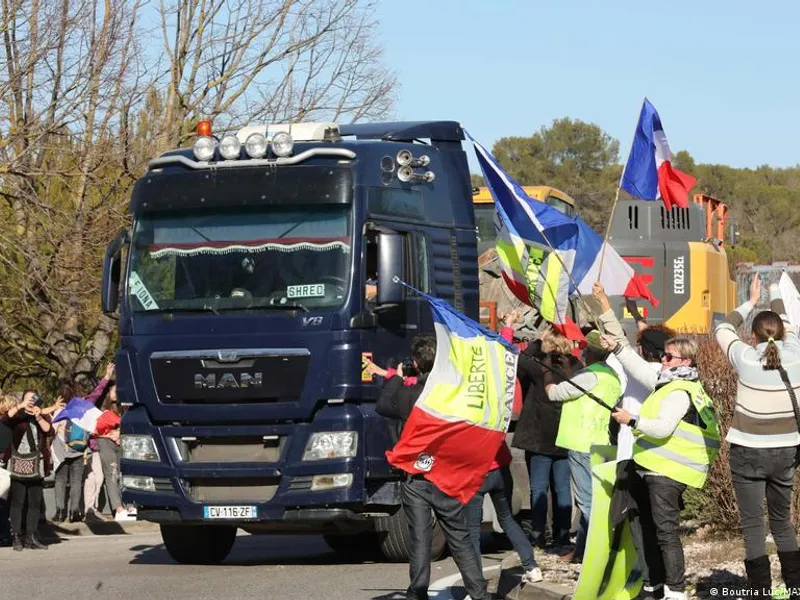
column 259, row 567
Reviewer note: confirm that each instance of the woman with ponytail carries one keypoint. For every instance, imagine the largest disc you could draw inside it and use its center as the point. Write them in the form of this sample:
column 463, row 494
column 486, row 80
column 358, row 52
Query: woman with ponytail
column 764, row 435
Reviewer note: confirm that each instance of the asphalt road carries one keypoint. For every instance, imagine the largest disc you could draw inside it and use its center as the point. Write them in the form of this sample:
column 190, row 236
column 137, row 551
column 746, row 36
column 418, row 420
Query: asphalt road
column 259, row 567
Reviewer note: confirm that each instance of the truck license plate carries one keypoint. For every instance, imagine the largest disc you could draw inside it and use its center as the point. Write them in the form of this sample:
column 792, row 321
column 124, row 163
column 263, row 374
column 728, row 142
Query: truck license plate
column 230, row 512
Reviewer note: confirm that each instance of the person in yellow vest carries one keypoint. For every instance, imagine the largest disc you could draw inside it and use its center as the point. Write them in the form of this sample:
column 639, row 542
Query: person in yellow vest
column 676, row 441
column 584, row 423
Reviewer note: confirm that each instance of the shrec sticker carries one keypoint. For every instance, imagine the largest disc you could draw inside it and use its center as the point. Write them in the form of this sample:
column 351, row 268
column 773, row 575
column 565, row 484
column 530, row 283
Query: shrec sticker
column 311, row 290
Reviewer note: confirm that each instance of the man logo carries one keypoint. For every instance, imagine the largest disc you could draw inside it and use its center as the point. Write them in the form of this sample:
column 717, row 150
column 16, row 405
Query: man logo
column 424, row 462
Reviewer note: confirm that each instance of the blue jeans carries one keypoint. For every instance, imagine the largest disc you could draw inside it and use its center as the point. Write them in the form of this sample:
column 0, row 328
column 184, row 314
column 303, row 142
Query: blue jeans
column 545, row 471
column 580, row 467
column 498, row 485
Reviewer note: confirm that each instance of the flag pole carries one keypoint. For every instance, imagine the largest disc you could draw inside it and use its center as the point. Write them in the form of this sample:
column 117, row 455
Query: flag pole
column 566, row 378
column 608, row 229
column 616, row 197
column 572, row 281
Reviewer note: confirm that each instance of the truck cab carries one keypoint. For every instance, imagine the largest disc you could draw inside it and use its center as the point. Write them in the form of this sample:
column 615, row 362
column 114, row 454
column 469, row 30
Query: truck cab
column 260, row 269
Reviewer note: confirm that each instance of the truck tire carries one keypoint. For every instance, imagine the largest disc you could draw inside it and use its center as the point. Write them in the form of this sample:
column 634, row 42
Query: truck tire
column 198, row 544
column 395, row 541
column 356, row 545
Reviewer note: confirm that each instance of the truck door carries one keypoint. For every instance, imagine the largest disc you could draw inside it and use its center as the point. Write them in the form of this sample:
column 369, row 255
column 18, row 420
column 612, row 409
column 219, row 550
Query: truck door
column 396, row 324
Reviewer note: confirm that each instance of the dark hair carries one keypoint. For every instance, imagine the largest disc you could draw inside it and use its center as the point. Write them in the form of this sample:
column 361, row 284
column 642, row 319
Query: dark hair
column 423, row 352
column 652, row 341
column 26, row 392
column 104, row 401
column 595, row 355
column 768, row 327
column 69, row 389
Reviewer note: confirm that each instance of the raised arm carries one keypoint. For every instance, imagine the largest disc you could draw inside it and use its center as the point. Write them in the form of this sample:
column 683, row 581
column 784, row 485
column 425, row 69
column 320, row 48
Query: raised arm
column 635, row 366
column 776, row 305
column 726, row 332
column 608, row 320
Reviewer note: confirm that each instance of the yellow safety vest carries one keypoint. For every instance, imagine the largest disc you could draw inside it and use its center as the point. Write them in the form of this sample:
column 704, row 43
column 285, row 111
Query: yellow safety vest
column 584, row 422
column 687, row 454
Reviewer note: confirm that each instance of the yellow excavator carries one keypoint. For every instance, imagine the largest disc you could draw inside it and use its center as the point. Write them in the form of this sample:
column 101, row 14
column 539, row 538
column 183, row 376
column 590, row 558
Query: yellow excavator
column 680, row 253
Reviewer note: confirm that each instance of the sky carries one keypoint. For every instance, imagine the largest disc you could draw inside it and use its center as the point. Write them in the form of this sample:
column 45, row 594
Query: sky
column 722, row 75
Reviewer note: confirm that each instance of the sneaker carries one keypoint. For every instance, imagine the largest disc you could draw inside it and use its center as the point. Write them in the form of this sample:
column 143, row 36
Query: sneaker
column 132, row 510
column 533, row 575
column 123, row 515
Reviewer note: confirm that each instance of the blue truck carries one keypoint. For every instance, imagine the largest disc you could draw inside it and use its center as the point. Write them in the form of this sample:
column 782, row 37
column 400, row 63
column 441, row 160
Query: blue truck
column 260, row 270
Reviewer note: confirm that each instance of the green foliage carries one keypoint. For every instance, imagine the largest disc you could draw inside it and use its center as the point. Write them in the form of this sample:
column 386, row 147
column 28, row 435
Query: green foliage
column 576, row 157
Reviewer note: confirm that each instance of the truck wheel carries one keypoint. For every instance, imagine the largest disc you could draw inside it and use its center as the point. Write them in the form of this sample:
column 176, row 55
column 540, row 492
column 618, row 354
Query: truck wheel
column 198, row 544
column 395, row 541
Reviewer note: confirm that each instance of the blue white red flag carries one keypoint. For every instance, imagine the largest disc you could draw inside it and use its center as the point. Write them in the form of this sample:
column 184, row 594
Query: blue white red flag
column 81, row 412
column 461, row 417
column 649, row 174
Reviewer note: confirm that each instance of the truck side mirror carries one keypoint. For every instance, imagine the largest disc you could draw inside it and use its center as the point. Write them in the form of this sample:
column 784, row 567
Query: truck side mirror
column 112, row 268
column 391, row 265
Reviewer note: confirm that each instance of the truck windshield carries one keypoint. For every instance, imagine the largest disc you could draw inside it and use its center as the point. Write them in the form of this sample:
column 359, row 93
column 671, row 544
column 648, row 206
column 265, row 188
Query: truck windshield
column 264, row 258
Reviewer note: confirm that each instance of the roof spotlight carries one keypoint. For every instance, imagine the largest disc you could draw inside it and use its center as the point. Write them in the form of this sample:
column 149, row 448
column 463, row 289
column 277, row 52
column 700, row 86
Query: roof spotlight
column 203, row 149
column 230, row 147
column 256, row 145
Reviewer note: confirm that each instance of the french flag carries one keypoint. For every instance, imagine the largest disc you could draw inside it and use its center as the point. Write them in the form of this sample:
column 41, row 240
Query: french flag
column 81, row 412
column 649, row 174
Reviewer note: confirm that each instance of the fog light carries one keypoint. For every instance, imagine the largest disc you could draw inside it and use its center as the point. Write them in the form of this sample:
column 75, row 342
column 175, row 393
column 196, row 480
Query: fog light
column 230, row 147
column 204, row 149
column 137, row 482
column 331, row 482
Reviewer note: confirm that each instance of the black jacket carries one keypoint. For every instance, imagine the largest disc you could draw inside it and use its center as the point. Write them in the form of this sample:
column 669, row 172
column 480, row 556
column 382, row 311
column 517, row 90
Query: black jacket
column 396, row 400
column 537, row 426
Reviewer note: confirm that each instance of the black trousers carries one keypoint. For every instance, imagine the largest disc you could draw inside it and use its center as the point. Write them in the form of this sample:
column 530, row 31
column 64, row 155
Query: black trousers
column 25, row 497
column 421, row 500
column 659, row 512
column 760, row 473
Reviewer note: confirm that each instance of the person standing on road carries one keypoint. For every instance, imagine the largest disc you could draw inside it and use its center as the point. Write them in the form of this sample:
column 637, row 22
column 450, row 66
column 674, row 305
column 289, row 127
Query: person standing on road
column 764, row 435
column 108, row 445
column 583, row 424
column 29, row 463
column 422, row 499
column 69, row 472
column 93, row 483
column 536, row 431
column 676, row 441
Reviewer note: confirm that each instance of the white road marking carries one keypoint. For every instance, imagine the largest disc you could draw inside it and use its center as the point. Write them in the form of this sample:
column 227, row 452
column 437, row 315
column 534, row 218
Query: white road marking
column 440, row 589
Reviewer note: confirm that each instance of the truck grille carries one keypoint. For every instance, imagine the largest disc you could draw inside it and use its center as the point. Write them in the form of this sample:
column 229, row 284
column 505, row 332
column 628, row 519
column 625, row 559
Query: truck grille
column 232, row 490
column 242, row 449
column 236, row 376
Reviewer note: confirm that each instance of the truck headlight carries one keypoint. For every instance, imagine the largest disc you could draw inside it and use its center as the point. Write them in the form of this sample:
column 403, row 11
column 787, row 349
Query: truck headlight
column 139, row 447
column 137, row 482
column 331, row 444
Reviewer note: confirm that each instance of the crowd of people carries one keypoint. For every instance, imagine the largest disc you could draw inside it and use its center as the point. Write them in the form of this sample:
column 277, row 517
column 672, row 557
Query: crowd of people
column 647, row 401
column 39, row 444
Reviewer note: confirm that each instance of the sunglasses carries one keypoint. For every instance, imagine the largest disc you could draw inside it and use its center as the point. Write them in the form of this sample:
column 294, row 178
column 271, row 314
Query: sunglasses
column 669, row 356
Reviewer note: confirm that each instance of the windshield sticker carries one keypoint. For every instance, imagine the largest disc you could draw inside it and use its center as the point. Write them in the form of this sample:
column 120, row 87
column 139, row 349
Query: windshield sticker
column 142, row 294
column 281, row 245
column 312, row 290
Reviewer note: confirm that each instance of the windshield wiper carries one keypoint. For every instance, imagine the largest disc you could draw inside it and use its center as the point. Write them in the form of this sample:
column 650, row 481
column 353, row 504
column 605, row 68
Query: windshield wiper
column 282, row 307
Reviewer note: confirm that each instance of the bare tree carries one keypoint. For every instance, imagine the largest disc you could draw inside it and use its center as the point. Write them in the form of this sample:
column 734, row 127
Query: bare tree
column 274, row 60
column 87, row 97
column 71, row 70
